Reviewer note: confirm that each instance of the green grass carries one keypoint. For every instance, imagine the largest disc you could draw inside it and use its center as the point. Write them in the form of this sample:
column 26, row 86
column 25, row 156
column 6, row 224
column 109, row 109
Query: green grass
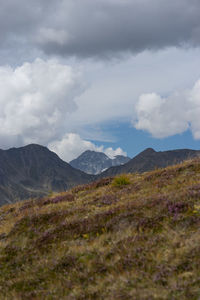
column 98, row 241
column 121, row 180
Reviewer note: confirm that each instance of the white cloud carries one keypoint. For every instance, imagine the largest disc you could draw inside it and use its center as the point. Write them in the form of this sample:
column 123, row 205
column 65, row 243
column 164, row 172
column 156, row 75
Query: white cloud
column 110, row 152
column 164, row 117
column 71, row 146
column 36, row 99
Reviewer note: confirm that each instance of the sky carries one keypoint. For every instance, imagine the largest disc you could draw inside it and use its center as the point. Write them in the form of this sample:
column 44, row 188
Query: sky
column 116, row 76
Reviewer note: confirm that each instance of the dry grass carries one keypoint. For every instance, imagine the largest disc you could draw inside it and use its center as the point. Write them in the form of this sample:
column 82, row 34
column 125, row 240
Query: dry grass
column 99, row 241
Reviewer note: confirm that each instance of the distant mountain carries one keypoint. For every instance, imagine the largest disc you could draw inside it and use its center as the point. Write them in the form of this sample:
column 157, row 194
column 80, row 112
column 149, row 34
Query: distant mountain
column 149, row 159
column 93, row 162
column 34, row 170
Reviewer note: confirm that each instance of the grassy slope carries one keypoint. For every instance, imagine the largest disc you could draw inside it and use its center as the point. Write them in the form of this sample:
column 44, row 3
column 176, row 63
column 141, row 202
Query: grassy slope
column 100, row 241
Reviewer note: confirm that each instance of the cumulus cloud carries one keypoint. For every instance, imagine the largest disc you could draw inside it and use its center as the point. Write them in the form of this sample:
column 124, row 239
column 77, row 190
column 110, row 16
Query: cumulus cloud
column 110, row 152
column 71, row 146
column 167, row 116
column 89, row 28
column 35, row 100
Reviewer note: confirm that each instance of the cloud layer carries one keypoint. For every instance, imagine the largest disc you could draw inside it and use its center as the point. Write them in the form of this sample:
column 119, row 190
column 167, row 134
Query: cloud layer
column 71, row 146
column 163, row 117
column 89, row 28
column 44, row 100
column 105, row 28
column 35, row 100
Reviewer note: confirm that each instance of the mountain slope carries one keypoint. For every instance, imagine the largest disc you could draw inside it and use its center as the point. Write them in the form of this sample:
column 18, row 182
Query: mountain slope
column 34, row 170
column 149, row 159
column 134, row 237
column 93, row 162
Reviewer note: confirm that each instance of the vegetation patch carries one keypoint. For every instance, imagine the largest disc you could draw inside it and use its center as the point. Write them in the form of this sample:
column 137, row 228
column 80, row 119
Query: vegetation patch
column 121, row 180
column 130, row 237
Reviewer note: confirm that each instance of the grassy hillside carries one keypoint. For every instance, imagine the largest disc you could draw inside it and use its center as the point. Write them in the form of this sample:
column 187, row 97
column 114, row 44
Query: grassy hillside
column 133, row 237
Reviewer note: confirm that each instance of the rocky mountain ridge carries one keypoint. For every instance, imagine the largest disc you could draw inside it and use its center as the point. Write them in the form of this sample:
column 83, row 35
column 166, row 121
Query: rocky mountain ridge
column 149, row 159
column 33, row 171
column 92, row 162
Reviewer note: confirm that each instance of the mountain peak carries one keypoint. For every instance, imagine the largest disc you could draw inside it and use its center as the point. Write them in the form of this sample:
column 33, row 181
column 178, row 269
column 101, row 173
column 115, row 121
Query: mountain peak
column 93, row 162
column 148, row 151
column 92, row 152
column 34, row 170
column 30, row 147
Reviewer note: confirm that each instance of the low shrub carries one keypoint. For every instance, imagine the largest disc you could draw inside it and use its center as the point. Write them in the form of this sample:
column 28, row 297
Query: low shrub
column 121, row 181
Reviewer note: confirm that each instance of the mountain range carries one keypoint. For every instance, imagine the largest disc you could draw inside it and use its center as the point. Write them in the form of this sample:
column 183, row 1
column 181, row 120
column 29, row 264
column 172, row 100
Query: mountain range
column 34, row 171
column 93, row 162
column 149, row 160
